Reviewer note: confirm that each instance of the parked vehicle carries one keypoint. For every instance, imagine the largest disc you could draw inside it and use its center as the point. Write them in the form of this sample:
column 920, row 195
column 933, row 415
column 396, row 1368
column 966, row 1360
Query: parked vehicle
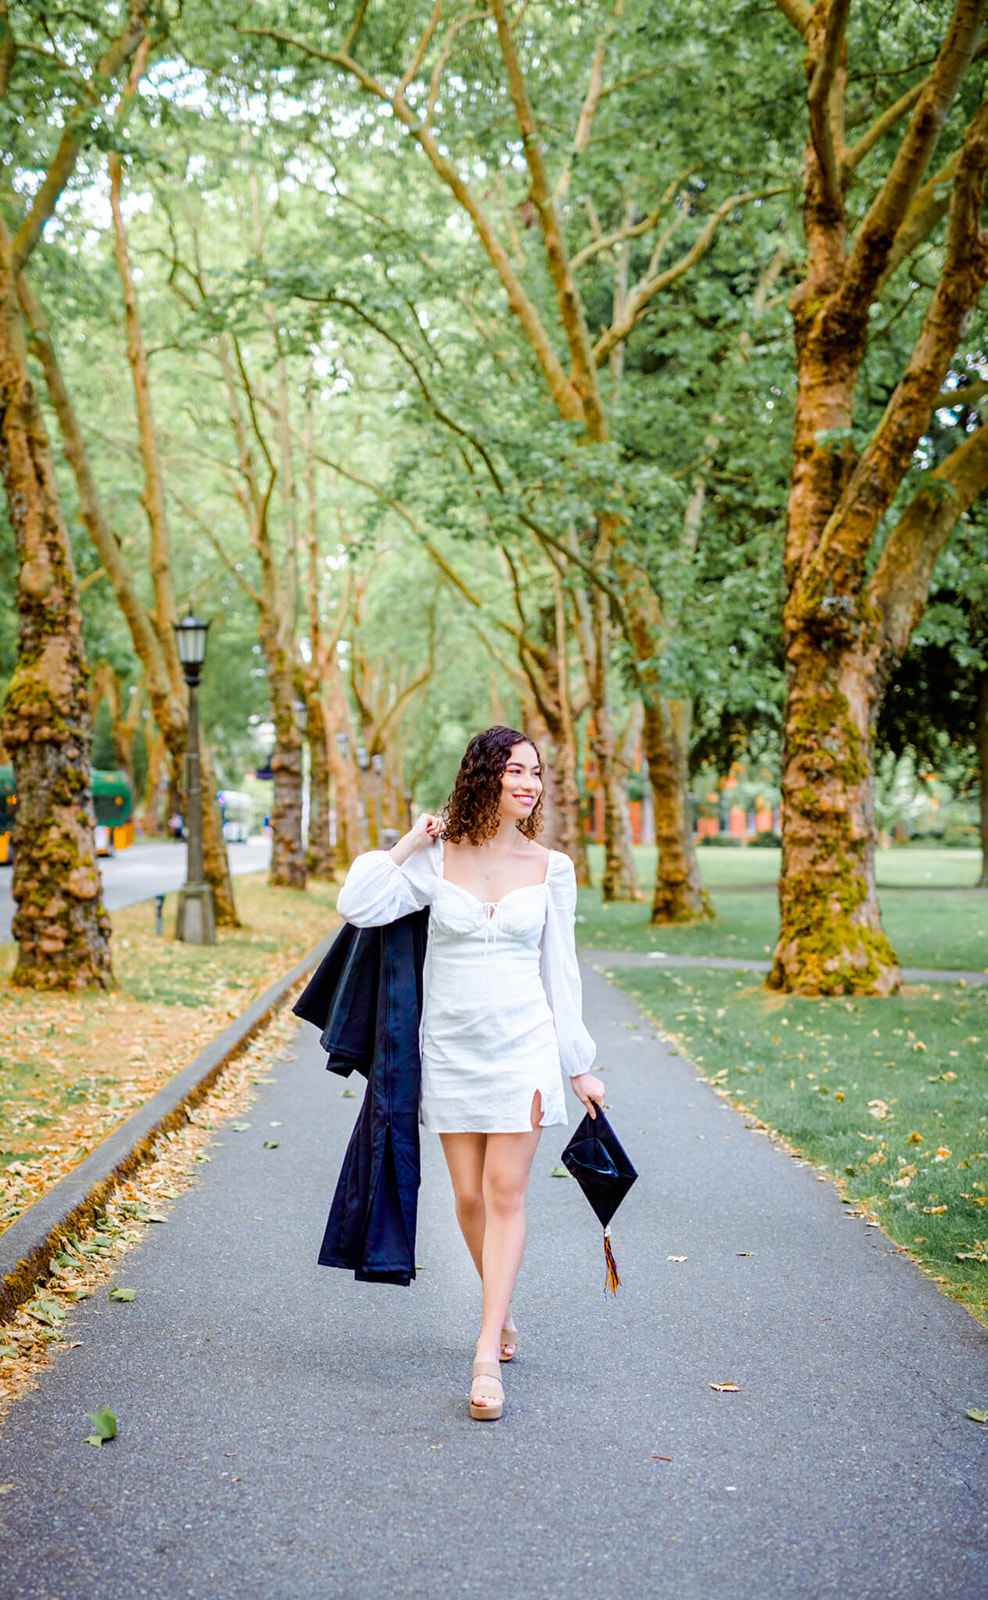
column 237, row 811
column 113, row 801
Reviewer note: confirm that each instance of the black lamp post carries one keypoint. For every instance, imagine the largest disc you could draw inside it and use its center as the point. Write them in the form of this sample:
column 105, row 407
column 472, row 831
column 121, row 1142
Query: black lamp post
column 195, row 923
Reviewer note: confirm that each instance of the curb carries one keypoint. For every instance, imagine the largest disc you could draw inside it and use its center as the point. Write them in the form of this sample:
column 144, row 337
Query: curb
column 26, row 1248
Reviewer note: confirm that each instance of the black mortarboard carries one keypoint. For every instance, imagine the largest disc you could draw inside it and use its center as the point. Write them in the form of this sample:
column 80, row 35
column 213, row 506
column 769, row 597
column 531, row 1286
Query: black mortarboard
column 596, row 1159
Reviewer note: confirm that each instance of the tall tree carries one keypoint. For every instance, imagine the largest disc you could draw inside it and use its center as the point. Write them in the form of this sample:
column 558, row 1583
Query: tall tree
column 848, row 615
column 60, row 926
column 544, row 296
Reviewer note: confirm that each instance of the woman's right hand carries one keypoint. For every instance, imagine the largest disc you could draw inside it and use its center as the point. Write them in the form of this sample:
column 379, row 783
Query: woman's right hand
column 424, row 829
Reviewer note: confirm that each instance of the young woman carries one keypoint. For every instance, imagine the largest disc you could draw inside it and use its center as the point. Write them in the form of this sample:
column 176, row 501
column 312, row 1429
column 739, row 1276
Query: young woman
column 501, row 1015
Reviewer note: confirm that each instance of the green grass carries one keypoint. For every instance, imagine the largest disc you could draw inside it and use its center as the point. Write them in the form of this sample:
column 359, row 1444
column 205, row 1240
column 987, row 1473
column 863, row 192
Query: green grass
column 888, row 1096
column 926, row 930
column 738, row 868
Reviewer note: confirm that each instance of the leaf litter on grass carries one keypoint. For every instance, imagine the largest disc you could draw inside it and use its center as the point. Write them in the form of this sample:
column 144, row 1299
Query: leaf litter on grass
column 75, row 1067
column 901, row 1133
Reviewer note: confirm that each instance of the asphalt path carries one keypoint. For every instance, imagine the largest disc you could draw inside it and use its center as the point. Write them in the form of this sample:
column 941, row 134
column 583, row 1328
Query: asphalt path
column 144, row 871
column 288, row 1434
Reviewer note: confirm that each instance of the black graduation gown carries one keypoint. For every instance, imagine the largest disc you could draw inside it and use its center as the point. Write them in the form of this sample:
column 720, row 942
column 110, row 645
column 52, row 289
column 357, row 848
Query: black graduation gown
column 366, row 997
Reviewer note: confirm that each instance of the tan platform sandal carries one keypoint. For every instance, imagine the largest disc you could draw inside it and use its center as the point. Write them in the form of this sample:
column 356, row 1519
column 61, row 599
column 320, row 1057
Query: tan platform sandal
column 485, row 1373
column 509, row 1336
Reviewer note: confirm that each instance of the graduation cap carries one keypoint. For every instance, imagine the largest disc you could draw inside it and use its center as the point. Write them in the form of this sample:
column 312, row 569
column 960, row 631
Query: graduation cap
column 595, row 1158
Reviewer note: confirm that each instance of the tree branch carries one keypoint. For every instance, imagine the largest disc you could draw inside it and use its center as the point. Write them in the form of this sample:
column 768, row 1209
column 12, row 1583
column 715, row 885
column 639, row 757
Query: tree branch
column 567, row 296
column 818, row 98
column 581, row 139
column 886, row 457
column 65, row 157
column 204, row 527
column 931, row 204
column 901, row 579
column 410, row 362
column 644, row 291
column 798, row 13
column 890, row 116
column 355, row 27
column 891, row 205
column 564, row 393
column 411, row 74
column 606, row 241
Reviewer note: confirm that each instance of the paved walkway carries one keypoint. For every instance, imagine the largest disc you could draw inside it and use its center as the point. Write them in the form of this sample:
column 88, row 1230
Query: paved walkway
column 287, row 1434
column 605, row 959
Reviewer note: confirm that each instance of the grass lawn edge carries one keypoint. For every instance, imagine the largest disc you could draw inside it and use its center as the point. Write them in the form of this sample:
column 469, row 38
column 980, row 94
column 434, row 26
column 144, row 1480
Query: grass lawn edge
column 952, row 1280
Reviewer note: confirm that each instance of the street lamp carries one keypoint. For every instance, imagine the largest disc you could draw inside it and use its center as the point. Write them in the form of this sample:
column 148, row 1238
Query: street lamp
column 195, row 922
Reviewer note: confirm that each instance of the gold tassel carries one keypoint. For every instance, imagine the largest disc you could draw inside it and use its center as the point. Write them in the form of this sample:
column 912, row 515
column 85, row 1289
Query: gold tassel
column 612, row 1281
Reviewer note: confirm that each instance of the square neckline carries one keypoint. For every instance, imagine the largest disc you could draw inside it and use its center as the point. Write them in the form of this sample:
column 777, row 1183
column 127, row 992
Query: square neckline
column 476, row 898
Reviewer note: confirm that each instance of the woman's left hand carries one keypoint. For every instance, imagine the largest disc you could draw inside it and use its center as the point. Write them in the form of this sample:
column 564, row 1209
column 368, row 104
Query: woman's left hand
column 588, row 1090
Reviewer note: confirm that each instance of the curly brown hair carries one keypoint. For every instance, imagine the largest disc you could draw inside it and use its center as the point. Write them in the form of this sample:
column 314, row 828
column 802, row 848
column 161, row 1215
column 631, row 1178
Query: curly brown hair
column 472, row 810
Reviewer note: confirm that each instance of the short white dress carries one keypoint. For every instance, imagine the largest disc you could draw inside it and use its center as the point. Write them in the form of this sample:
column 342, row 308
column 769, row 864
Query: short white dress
column 501, row 1012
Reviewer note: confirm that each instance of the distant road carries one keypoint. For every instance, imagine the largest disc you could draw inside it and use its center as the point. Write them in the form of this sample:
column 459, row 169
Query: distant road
column 144, row 871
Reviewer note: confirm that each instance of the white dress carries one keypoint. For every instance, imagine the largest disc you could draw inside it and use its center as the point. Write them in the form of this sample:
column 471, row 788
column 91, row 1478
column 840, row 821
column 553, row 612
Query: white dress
column 501, row 1012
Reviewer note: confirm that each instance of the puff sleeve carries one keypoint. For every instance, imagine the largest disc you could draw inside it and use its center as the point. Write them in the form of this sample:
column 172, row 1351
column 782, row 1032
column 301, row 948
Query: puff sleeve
column 560, row 969
column 377, row 891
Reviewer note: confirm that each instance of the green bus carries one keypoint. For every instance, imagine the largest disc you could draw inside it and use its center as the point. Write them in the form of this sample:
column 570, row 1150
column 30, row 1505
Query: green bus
column 113, row 802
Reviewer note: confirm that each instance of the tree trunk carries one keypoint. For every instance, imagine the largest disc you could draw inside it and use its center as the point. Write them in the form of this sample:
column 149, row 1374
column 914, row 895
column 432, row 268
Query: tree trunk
column 679, row 895
column 619, row 881
column 287, row 852
column 152, row 635
column 321, row 857
column 150, row 816
column 349, row 828
column 564, row 824
column 984, row 773
column 569, row 827
column 830, row 939
column 61, row 928
column 842, row 631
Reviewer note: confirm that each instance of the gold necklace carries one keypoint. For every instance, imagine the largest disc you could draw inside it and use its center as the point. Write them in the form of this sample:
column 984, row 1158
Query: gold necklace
column 503, row 857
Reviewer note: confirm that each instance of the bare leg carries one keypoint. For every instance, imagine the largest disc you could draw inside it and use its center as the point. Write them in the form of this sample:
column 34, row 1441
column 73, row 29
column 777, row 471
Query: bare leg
column 507, row 1164
column 464, row 1154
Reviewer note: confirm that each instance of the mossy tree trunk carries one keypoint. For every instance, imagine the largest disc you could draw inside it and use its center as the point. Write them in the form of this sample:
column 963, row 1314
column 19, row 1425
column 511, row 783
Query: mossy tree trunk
column 288, row 869
column 61, row 928
column 678, row 894
column 983, row 775
column 60, row 925
column 843, row 633
column 320, row 856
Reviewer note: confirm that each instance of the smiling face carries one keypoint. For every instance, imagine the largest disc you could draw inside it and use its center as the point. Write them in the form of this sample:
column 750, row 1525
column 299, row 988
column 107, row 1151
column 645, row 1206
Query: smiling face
column 521, row 782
